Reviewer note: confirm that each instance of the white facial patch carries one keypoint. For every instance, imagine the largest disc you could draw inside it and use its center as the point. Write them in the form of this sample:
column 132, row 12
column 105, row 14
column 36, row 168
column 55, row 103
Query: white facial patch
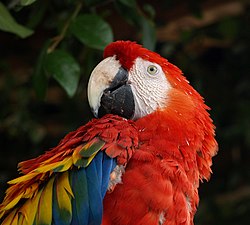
column 100, row 79
column 150, row 87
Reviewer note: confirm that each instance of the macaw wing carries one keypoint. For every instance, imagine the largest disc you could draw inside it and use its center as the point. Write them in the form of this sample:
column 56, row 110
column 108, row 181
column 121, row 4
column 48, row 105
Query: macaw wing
column 67, row 184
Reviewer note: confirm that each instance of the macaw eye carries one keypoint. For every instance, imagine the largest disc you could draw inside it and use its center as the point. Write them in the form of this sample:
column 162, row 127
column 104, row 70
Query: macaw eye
column 152, row 70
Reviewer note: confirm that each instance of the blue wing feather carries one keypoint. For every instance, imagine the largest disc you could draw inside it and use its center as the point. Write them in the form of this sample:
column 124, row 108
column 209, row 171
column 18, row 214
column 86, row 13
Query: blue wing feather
column 94, row 192
column 80, row 202
column 108, row 166
column 56, row 210
column 98, row 164
column 89, row 186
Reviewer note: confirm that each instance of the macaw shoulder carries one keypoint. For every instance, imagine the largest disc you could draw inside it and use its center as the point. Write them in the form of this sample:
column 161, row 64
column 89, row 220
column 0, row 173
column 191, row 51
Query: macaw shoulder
column 110, row 131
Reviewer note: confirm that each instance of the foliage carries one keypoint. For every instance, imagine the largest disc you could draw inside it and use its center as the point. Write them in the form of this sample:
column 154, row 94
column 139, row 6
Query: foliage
column 7, row 23
column 48, row 49
column 81, row 22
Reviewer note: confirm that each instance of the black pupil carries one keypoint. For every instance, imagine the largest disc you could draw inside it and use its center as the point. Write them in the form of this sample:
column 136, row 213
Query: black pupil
column 152, row 69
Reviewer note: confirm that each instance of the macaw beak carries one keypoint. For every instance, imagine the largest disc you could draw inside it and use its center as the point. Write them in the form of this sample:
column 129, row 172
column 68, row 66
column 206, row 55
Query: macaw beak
column 109, row 91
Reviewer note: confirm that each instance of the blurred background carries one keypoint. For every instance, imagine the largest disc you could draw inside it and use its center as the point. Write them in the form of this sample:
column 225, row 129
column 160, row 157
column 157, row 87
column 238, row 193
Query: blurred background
column 48, row 49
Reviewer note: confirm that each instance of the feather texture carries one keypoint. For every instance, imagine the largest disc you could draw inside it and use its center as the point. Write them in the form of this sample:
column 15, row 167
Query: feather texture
column 44, row 208
column 80, row 206
column 176, row 146
column 174, row 149
column 67, row 184
column 62, row 198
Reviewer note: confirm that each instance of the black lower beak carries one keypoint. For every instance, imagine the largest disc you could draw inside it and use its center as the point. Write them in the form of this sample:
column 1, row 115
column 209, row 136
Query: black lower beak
column 118, row 99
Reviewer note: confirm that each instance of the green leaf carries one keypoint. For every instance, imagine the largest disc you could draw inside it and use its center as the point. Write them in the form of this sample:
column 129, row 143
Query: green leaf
column 64, row 69
column 92, row 31
column 149, row 10
column 26, row 2
column 8, row 24
column 37, row 13
column 148, row 34
column 40, row 80
column 129, row 13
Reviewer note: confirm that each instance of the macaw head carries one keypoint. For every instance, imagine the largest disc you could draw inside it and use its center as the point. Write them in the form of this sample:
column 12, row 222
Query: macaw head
column 139, row 84
column 133, row 82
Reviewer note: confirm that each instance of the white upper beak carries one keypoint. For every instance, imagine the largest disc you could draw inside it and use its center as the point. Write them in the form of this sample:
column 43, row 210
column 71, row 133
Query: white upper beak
column 100, row 79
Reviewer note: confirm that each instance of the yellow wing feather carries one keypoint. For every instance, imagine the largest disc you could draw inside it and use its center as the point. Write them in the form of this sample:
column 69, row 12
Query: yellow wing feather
column 44, row 214
column 28, row 210
column 37, row 208
column 64, row 193
column 13, row 202
column 11, row 219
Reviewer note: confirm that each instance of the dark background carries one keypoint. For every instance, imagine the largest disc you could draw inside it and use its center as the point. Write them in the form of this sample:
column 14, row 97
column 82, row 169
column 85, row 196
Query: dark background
column 208, row 40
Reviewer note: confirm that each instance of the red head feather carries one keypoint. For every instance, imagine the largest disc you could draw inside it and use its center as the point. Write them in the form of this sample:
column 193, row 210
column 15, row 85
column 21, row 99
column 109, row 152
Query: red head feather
column 126, row 52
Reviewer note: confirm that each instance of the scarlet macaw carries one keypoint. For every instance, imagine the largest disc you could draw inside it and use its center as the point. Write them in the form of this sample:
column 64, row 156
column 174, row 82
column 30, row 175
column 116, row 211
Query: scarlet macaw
column 139, row 163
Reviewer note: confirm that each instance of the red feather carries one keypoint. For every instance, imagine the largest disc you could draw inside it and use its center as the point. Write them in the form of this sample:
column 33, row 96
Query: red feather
column 176, row 145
